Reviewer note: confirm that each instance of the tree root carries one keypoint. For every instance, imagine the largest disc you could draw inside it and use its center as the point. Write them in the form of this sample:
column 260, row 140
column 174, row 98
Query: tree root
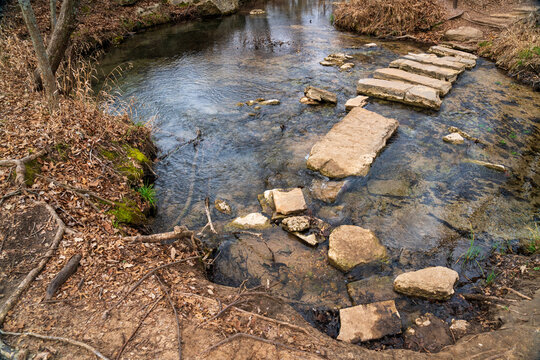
column 57, row 338
column 25, row 283
column 81, row 192
column 179, row 232
column 20, row 168
column 68, row 270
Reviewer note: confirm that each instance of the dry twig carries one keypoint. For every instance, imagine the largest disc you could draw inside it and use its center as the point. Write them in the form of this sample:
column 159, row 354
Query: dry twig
column 138, row 327
column 57, row 338
column 207, row 209
column 517, row 293
column 25, row 283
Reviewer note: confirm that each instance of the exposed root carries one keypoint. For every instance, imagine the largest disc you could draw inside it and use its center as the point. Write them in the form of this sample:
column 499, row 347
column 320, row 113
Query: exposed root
column 57, row 338
column 81, row 192
column 25, row 283
column 68, row 270
column 20, row 168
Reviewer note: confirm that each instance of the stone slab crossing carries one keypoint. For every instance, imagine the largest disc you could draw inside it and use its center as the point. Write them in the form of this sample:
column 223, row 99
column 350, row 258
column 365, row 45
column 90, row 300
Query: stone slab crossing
column 432, row 59
column 399, row 91
column 443, row 87
column 437, row 72
column 444, row 51
column 350, row 147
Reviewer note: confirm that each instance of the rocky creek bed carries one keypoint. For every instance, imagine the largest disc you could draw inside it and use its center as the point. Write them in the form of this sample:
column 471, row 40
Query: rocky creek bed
column 423, row 202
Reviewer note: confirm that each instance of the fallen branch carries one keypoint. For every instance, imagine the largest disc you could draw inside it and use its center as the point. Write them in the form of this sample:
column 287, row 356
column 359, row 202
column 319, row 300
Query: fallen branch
column 138, row 327
column 179, row 232
column 178, row 329
column 456, row 16
column 147, row 275
column 8, row 195
column 68, row 270
column 207, row 209
column 517, row 293
column 253, row 337
column 20, row 168
column 191, row 188
column 57, row 338
column 25, row 283
column 478, row 297
column 195, row 139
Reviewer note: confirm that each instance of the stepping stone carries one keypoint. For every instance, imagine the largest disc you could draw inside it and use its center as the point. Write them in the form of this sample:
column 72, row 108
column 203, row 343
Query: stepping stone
column 434, row 283
column 251, row 221
column 359, row 101
column 289, row 202
column 437, row 61
column 444, row 51
column 326, row 191
column 469, row 63
column 351, row 145
column 374, row 288
column 411, row 94
column 433, row 71
column 351, row 245
column 443, row 87
column 369, row 322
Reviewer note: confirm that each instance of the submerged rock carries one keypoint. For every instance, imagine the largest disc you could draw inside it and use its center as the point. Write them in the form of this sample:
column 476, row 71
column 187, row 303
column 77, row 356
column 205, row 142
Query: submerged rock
column 489, row 165
column 454, row 138
column 372, row 289
column 389, row 187
column 351, row 245
column 464, row 33
column 359, row 101
column 320, row 95
column 429, row 333
column 326, row 191
column 251, row 221
column 310, row 239
column 307, row 101
column 289, row 202
column 351, row 145
column 326, row 63
column 346, row 66
column 222, row 206
column 369, row 322
column 434, row 283
column 270, row 102
column 257, row 12
column 296, row 223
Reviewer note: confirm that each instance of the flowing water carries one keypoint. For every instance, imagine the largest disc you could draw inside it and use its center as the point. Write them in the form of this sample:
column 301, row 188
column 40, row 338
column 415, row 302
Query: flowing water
column 421, row 197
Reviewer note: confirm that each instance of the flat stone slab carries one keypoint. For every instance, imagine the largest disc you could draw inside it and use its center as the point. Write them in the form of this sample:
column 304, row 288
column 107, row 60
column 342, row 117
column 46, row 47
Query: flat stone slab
column 464, row 33
column 351, row 145
column 251, row 221
column 435, row 283
column 444, row 51
column 359, row 101
column 437, row 72
column 432, row 59
column 289, row 202
column 443, row 87
column 369, row 322
column 351, row 245
column 469, row 63
column 326, row 191
column 411, row 94
column 372, row 289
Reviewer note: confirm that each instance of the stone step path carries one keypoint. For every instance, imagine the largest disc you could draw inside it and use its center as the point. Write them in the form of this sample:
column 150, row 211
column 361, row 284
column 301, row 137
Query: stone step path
column 418, row 79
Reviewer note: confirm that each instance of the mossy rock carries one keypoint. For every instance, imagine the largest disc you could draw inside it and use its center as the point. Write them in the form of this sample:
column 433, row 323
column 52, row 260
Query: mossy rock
column 127, row 213
column 136, row 154
column 131, row 164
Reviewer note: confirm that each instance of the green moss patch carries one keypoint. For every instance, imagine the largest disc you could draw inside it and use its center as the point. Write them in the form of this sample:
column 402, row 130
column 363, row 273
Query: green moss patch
column 128, row 213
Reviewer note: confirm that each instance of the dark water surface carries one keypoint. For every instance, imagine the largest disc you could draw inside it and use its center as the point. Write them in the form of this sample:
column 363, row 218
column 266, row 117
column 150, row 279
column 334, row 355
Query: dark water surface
column 191, row 76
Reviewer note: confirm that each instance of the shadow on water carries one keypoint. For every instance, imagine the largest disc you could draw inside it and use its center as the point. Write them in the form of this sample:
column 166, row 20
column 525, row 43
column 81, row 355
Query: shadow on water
column 422, row 198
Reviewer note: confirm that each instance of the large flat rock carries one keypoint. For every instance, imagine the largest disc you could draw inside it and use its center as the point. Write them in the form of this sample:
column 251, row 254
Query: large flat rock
column 289, row 202
column 469, row 63
column 436, row 283
column 418, row 95
column 351, row 245
column 369, row 322
column 432, row 59
column 444, row 51
column 437, row 72
column 351, row 145
column 443, row 87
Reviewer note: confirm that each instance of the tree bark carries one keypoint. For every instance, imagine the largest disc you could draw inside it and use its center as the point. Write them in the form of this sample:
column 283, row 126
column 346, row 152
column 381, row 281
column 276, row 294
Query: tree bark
column 60, row 36
column 43, row 61
column 52, row 4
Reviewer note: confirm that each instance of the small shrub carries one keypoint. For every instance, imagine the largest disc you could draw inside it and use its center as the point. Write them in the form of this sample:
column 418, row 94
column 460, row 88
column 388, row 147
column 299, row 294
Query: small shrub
column 148, row 193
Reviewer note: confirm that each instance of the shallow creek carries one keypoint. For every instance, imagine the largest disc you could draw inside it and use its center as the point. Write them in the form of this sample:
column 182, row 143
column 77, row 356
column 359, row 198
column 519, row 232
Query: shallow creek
column 421, row 198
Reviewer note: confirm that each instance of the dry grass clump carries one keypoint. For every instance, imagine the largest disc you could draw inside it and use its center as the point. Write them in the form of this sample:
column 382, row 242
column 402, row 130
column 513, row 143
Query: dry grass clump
column 517, row 49
column 388, row 17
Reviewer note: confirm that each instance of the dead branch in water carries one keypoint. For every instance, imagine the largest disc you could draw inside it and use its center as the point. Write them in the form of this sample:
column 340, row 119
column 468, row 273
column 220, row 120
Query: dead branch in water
column 20, row 168
column 195, row 140
column 138, row 327
column 169, row 299
column 57, row 338
column 207, row 209
column 68, row 270
column 179, row 232
column 25, row 283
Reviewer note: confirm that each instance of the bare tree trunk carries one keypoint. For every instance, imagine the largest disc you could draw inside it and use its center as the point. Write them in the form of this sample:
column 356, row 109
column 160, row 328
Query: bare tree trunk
column 60, row 37
column 43, row 61
column 52, row 5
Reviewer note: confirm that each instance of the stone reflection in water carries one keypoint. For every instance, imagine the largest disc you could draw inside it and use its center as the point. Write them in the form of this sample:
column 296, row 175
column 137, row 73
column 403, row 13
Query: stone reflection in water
column 421, row 196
